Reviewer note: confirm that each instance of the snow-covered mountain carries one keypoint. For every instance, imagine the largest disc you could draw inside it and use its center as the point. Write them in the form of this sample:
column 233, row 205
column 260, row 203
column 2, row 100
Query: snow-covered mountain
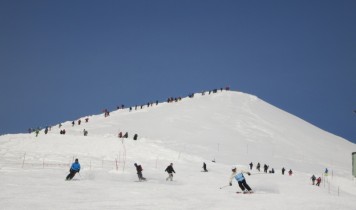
column 231, row 128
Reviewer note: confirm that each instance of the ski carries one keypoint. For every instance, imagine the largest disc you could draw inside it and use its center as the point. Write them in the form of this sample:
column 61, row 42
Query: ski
column 249, row 192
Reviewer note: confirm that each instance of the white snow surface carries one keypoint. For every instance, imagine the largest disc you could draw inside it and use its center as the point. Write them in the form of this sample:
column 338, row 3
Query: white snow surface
column 232, row 128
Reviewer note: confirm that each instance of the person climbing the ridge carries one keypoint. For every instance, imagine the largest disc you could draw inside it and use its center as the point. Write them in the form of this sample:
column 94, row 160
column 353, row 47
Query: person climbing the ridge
column 290, row 172
column 318, row 180
column 313, row 178
column 258, row 166
column 204, row 167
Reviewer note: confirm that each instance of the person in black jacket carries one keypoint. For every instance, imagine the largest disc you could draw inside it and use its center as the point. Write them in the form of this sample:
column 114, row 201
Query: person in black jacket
column 170, row 172
column 139, row 172
column 204, row 167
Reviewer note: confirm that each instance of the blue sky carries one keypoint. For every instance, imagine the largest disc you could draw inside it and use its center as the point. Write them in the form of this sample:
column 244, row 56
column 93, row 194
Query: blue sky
column 60, row 60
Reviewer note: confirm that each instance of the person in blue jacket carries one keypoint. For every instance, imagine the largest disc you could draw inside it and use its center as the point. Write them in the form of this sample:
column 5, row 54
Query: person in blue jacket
column 238, row 175
column 75, row 168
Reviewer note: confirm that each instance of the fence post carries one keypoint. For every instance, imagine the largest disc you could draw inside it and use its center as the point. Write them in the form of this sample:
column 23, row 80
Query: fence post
column 23, row 162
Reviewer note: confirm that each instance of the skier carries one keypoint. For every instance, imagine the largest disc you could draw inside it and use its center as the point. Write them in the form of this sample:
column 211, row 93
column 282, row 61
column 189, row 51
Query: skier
column 139, row 172
column 318, row 180
column 313, row 178
column 204, row 167
column 251, row 165
column 75, row 168
column 170, row 172
column 283, row 170
column 85, row 132
column 258, row 166
column 238, row 175
column 120, row 135
column 135, row 137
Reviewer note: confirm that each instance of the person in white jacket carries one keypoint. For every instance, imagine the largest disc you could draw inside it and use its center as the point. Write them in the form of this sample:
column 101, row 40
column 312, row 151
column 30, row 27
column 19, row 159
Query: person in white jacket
column 237, row 173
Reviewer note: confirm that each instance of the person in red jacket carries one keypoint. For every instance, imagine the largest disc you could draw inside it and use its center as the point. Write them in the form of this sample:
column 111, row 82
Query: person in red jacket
column 318, row 180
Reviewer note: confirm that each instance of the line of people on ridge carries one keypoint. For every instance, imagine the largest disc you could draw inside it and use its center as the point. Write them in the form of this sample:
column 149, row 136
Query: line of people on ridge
column 265, row 169
column 107, row 112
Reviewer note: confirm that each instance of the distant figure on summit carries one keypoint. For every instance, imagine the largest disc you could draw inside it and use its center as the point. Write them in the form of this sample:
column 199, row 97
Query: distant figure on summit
column 204, row 167
column 283, row 170
column 290, row 172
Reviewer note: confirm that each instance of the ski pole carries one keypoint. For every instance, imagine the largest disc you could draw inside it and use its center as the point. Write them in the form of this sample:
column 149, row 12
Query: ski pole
column 257, row 174
column 224, row 186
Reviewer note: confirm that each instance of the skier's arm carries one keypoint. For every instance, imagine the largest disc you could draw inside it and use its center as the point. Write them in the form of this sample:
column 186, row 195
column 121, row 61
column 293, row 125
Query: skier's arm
column 246, row 172
column 231, row 177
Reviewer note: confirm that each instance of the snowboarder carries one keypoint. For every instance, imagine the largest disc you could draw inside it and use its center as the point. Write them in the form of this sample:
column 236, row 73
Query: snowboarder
column 283, row 170
column 139, row 172
column 204, row 167
column 170, row 172
column 318, row 180
column 251, row 165
column 313, row 178
column 75, row 168
column 238, row 175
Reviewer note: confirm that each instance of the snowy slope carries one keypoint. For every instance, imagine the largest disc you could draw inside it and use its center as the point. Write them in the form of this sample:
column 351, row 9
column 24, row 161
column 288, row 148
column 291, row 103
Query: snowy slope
column 232, row 128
